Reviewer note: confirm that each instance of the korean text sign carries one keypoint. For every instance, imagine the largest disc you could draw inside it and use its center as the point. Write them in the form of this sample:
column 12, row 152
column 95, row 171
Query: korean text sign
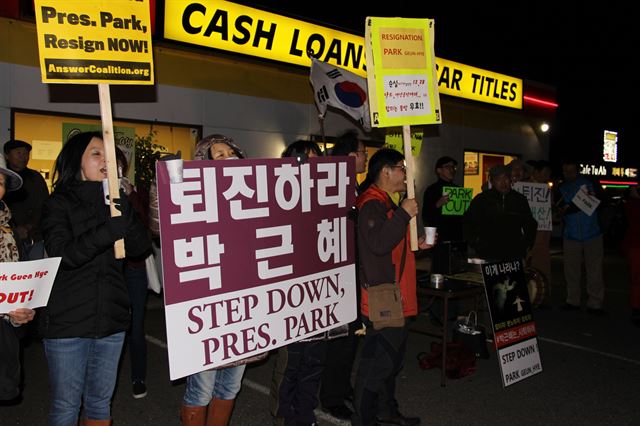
column 539, row 198
column 27, row 284
column 89, row 42
column 401, row 72
column 256, row 254
column 514, row 330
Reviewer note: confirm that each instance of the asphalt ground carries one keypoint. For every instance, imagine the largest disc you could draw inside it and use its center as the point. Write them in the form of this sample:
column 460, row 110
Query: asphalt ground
column 591, row 375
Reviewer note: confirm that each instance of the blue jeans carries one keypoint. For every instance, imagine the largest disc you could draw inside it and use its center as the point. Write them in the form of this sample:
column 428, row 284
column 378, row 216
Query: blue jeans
column 222, row 383
column 82, row 370
column 136, row 279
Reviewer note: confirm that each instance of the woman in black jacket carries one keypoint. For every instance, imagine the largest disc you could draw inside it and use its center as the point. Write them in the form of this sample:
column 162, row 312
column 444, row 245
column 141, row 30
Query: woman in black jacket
column 88, row 312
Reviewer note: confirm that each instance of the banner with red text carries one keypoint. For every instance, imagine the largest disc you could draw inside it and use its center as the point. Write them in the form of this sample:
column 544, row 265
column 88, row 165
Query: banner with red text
column 27, row 284
column 256, row 254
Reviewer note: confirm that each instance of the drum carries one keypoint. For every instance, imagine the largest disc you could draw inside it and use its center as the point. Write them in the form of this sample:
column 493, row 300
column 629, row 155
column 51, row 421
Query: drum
column 537, row 284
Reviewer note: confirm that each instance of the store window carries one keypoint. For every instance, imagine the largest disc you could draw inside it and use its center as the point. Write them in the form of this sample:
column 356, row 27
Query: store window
column 477, row 166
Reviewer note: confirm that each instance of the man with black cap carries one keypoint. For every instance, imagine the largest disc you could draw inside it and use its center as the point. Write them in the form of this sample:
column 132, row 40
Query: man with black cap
column 449, row 227
column 499, row 224
column 25, row 203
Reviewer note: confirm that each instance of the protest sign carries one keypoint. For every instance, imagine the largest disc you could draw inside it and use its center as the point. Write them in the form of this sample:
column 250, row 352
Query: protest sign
column 585, row 201
column 459, row 200
column 512, row 320
column 539, row 198
column 393, row 139
column 89, row 42
column 27, row 284
column 256, row 254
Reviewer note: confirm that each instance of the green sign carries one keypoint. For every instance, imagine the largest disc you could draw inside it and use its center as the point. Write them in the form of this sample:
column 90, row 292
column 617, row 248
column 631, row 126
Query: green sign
column 459, row 200
column 393, row 139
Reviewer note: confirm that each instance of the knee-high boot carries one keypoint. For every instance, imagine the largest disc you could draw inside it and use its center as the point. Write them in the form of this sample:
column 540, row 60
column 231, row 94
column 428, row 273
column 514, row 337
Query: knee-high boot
column 193, row 415
column 219, row 412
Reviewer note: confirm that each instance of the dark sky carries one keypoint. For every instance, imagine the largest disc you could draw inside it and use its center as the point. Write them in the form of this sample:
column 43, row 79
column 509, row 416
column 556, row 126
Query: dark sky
column 586, row 53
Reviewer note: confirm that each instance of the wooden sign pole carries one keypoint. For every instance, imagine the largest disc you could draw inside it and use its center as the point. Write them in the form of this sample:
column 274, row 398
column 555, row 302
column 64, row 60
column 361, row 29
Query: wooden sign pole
column 411, row 191
column 110, row 152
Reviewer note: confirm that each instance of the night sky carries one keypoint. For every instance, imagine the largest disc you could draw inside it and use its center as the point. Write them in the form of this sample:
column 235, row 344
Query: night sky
column 585, row 53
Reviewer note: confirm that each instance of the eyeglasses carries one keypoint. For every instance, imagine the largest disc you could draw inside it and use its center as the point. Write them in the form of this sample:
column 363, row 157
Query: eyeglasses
column 450, row 166
column 363, row 152
column 404, row 168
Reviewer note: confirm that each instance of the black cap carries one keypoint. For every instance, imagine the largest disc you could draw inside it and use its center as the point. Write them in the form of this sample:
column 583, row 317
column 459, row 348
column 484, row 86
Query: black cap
column 15, row 143
column 445, row 160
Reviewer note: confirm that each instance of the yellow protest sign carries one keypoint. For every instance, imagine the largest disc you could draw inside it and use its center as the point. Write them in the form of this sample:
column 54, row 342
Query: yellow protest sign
column 393, row 139
column 401, row 72
column 89, row 42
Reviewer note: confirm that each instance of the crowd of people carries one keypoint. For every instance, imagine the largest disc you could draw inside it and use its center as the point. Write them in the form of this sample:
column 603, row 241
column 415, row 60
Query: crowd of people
column 98, row 302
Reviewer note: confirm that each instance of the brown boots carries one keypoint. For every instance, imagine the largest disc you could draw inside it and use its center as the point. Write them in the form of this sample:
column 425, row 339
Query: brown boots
column 217, row 413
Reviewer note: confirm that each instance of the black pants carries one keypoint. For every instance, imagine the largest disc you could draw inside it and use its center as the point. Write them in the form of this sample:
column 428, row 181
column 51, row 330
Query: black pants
column 381, row 359
column 336, row 376
column 295, row 382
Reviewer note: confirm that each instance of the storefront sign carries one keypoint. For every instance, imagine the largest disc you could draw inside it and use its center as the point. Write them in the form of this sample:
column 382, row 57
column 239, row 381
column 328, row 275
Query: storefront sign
column 401, row 74
column 511, row 316
column 248, row 31
column 94, row 42
column 610, row 146
column 603, row 171
column 468, row 82
column 256, row 254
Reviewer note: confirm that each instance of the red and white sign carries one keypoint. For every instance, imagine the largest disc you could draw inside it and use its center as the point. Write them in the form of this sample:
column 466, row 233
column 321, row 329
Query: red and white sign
column 27, row 284
column 256, row 254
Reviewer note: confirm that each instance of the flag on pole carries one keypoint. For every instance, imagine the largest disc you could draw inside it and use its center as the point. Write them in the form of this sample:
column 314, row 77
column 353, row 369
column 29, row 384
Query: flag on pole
column 342, row 89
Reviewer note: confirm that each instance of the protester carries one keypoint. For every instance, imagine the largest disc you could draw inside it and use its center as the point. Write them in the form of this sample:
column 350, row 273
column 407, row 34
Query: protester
column 335, row 387
column 9, row 252
column 26, row 203
column 449, row 227
column 135, row 275
column 298, row 367
column 631, row 249
column 498, row 224
column 520, row 171
column 385, row 256
column 210, row 394
column 539, row 256
column 582, row 243
column 87, row 315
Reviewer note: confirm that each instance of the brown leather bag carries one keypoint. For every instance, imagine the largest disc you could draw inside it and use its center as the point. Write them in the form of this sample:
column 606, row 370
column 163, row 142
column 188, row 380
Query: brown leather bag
column 385, row 306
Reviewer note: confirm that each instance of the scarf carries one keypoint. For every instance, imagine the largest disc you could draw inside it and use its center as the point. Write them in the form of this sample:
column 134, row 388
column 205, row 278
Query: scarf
column 8, row 247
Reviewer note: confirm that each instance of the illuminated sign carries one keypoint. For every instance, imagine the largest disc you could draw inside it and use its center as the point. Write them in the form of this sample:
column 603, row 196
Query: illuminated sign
column 610, row 146
column 602, row 170
column 241, row 29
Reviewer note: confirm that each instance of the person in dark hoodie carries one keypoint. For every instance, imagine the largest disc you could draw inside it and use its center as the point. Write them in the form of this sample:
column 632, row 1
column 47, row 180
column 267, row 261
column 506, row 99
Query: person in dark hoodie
column 85, row 321
column 499, row 224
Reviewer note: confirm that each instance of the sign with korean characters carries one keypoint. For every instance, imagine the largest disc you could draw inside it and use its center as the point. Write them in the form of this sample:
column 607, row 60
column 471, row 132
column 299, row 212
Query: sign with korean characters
column 98, row 41
column 539, row 198
column 514, row 330
column 459, row 200
column 256, row 254
column 27, row 284
column 585, row 200
column 393, row 139
column 401, row 72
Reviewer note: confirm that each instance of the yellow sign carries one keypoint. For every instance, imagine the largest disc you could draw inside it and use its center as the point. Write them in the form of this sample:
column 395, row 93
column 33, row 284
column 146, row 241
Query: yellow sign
column 236, row 28
column 241, row 29
column 401, row 72
column 393, row 139
column 89, row 42
column 460, row 80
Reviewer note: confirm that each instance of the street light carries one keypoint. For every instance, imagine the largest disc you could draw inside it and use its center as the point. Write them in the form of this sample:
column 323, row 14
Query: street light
column 544, row 127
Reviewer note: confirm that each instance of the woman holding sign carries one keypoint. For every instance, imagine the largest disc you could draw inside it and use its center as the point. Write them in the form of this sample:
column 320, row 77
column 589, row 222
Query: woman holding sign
column 9, row 345
column 85, row 321
column 211, row 394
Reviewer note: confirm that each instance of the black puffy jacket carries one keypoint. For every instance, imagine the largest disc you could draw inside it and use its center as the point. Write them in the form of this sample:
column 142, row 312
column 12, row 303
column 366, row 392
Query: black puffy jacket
column 89, row 296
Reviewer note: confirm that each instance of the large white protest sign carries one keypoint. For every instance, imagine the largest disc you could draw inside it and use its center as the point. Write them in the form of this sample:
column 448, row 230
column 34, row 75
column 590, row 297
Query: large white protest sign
column 539, row 198
column 256, row 254
column 585, row 201
column 27, row 284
